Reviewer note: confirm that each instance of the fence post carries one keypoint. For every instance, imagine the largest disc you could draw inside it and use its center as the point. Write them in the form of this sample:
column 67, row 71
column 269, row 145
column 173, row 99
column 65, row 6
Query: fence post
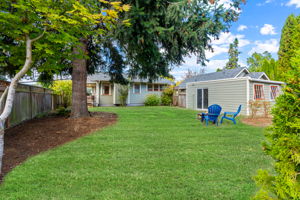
column 30, row 102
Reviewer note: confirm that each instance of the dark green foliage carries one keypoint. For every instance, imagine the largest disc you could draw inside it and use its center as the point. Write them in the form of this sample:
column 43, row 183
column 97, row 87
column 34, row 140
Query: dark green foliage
column 62, row 111
column 233, row 54
column 283, row 142
column 123, row 94
column 289, row 44
column 167, row 96
column 152, row 100
column 263, row 62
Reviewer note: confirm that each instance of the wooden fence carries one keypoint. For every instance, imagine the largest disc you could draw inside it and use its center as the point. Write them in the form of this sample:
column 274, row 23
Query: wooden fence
column 29, row 102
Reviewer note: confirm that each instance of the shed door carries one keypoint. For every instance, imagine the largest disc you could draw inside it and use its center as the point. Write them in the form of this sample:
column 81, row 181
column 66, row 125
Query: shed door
column 202, row 98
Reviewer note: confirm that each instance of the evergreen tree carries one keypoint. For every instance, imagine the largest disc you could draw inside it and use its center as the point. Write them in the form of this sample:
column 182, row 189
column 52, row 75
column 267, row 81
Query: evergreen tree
column 233, row 53
column 263, row 62
column 289, row 43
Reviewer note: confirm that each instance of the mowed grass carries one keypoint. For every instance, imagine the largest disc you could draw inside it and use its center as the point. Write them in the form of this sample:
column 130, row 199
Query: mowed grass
column 151, row 153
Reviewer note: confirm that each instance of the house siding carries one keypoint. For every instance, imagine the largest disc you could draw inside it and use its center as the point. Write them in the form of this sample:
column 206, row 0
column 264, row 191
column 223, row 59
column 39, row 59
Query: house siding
column 139, row 99
column 228, row 94
column 106, row 100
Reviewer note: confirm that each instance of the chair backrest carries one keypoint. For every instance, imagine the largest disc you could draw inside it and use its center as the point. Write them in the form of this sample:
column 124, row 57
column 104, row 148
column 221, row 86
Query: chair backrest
column 238, row 111
column 214, row 109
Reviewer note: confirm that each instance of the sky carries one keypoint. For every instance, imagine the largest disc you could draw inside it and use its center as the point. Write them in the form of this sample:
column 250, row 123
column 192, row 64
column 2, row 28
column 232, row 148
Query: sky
column 258, row 29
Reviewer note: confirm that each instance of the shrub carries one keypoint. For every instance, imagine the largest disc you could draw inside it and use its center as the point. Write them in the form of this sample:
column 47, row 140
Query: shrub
column 152, row 100
column 283, row 143
column 123, row 94
column 254, row 107
column 167, row 96
column 62, row 111
column 64, row 89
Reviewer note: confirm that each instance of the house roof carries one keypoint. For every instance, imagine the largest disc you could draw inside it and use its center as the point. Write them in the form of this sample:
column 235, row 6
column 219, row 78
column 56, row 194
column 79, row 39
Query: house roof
column 106, row 77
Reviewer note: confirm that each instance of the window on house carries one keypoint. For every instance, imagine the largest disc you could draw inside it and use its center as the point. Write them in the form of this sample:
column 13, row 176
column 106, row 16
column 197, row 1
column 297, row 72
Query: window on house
column 258, row 92
column 156, row 87
column 162, row 87
column 274, row 92
column 105, row 89
column 150, row 87
column 137, row 88
column 202, row 98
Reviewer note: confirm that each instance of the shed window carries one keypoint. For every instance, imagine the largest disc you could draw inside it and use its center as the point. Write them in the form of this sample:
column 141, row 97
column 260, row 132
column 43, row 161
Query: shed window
column 274, row 92
column 258, row 92
column 150, row 87
column 202, row 98
column 137, row 88
column 105, row 89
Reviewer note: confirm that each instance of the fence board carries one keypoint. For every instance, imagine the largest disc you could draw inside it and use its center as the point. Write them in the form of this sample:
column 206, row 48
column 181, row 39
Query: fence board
column 29, row 102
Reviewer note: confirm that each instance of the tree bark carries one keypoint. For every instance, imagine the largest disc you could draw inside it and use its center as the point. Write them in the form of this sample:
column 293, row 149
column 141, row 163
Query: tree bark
column 79, row 77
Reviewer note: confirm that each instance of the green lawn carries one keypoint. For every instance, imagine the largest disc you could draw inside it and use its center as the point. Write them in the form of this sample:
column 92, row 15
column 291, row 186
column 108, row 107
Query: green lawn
column 151, row 153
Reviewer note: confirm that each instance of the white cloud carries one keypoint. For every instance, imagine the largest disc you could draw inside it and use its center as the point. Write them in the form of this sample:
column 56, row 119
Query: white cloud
column 294, row 2
column 265, row 2
column 271, row 46
column 268, row 29
column 242, row 27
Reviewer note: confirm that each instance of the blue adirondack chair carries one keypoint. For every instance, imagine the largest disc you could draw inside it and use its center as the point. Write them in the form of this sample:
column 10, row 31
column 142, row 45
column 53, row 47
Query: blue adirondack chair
column 212, row 115
column 231, row 115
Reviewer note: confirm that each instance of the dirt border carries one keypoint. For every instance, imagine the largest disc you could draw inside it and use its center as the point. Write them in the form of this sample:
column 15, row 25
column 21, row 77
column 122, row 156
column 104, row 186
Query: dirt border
column 38, row 135
column 257, row 121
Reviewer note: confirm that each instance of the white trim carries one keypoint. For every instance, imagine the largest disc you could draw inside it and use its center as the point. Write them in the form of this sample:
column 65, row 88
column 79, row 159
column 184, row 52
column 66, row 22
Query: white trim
column 97, row 93
column 247, row 96
column 102, row 90
column 202, row 99
column 114, row 95
column 241, row 72
column 128, row 98
column 133, row 91
column 270, row 91
column 264, row 74
column 263, row 89
column 267, row 81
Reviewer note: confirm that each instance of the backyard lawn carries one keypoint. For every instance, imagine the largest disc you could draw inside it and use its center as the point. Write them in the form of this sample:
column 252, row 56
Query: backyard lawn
column 151, row 153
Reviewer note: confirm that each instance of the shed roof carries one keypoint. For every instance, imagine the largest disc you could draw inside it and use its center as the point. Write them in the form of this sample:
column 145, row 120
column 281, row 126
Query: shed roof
column 229, row 73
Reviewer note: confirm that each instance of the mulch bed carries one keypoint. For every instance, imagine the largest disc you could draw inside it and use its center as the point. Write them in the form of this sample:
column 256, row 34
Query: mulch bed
column 38, row 135
column 257, row 121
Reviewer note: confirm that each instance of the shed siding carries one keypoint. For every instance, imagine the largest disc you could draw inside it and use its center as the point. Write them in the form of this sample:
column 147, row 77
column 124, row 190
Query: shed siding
column 228, row 94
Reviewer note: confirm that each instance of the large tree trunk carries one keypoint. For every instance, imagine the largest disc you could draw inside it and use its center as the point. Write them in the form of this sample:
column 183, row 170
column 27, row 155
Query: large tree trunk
column 79, row 76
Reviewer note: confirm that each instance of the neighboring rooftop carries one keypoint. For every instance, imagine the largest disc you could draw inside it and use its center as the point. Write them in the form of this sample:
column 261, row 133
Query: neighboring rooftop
column 106, row 77
column 225, row 74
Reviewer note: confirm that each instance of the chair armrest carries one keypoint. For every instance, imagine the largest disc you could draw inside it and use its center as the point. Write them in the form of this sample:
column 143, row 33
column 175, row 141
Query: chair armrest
column 229, row 113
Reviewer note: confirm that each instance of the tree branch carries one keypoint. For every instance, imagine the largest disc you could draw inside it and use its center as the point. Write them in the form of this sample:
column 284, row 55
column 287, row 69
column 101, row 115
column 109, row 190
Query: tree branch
column 40, row 36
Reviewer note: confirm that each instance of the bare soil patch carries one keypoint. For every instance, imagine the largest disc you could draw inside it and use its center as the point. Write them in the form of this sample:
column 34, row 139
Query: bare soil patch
column 257, row 121
column 38, row 135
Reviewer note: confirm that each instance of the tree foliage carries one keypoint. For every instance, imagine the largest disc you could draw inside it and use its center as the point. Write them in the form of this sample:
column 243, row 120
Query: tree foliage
column 63, row 89
column 283, row 142
column 263, row 62
column 233, row 54
column 289, row 44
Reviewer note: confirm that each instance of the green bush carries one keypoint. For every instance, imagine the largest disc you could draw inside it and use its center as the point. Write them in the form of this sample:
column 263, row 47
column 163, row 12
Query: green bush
column 62, row 111
column 152, row 100
column 167, row 96
column 283, row 143
column 123, row 94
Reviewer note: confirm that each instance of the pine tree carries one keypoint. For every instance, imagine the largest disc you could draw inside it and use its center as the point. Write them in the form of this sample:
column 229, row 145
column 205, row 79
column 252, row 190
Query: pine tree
column 289, row 43
column 233, row 53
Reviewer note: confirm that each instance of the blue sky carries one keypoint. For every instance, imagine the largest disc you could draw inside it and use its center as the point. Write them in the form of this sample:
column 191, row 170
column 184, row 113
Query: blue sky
column 258, row 29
